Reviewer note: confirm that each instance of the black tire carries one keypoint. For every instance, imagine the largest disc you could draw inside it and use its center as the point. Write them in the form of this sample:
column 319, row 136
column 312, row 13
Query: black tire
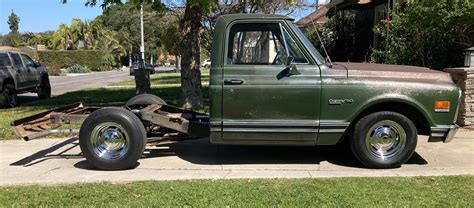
column 8, row 96
column 383, row 140
column 113, row 122
column 145, row 99
column 44, row 90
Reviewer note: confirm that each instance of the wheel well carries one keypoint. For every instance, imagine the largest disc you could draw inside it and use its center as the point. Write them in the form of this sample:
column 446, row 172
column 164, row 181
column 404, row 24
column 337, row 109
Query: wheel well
column 421, row 123
column 8, row 81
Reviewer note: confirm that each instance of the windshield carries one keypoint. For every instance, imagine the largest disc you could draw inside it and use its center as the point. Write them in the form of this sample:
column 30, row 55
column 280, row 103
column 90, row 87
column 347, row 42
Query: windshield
column 311, row 48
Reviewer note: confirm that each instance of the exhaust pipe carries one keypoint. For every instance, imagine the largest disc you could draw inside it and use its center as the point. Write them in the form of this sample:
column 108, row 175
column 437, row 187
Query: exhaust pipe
column 50, row 132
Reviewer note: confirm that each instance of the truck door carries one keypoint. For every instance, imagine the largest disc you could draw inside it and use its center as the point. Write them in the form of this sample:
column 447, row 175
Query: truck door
column 33, row 73
column 19, row 70
column 259, row 105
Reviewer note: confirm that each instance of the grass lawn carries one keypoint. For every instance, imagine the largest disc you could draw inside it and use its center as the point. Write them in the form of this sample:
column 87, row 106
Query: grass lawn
column 165, row 85
column 359, row 192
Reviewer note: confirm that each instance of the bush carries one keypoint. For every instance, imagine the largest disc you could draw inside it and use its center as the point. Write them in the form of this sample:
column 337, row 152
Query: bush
column 91, row 59
column 76, row 68
column 427, row 33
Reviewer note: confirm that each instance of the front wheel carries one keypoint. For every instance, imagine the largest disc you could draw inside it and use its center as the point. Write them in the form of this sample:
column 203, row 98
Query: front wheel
column 112, row 139
column 44, row 90
column 383, row 140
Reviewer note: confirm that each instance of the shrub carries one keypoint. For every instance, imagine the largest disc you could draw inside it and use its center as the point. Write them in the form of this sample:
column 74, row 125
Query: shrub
column 92, row 59
column 427, row 33
column 76, row 68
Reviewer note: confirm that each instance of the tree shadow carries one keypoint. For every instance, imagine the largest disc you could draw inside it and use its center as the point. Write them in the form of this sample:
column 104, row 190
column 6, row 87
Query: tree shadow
column 45, row 154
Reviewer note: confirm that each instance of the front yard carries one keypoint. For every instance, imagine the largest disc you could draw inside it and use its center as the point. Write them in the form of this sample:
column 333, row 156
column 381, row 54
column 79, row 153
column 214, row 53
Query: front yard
column 166, row 85
column 450, row 191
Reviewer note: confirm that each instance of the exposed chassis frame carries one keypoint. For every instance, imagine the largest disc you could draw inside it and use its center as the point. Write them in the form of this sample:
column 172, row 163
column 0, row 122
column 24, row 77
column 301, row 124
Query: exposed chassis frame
column 185, row 123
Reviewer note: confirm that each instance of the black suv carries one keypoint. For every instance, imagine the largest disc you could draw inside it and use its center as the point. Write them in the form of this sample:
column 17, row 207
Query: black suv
column 20, row 74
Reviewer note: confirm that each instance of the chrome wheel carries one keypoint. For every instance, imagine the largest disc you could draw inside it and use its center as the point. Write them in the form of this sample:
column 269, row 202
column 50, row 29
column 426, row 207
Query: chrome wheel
column 110, row 141
column 386, row 139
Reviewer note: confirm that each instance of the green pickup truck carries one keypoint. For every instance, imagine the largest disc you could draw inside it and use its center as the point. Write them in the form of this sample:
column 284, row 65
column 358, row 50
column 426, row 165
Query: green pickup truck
column 270, row 86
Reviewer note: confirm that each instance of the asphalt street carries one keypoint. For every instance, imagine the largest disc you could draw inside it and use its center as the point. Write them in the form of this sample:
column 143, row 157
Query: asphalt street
column 53, row 161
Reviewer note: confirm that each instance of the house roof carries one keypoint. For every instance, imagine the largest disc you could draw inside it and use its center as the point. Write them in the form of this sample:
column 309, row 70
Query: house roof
column 318, row 17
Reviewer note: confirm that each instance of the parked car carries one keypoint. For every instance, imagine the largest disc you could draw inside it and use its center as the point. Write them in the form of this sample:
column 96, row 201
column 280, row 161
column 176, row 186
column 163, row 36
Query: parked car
column 206, row 63
column 20, row 74
column 167, row 64
column 136, row 65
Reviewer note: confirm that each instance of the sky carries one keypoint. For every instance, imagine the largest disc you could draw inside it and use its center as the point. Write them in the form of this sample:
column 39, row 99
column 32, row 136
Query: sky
column 44, row 15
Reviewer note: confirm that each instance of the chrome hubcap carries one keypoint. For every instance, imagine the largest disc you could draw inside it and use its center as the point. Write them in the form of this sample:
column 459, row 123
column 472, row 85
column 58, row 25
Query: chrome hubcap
column 386, row 139
column 110, row 141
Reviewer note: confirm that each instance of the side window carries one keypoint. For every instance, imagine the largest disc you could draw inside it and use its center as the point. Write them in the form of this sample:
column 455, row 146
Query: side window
column 28, row 61
column 251, row 43
column 261, row 44
column 16, row 60
column 294, row 50
column 4, row 60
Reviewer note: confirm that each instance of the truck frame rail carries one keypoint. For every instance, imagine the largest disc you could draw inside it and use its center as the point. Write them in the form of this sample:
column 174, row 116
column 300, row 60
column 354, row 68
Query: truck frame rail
column 168, row 119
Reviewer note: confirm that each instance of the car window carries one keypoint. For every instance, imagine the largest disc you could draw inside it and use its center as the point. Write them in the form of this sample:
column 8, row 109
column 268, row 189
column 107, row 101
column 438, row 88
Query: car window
column 4, row 60
column 294, row 50
column 28, row 61
column 16, row 60
column 261, row 44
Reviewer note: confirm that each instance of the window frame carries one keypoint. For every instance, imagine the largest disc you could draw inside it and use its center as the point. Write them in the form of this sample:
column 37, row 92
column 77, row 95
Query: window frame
column 282, row 25
column 13, row 59
column 26, row 58
column 9, row 62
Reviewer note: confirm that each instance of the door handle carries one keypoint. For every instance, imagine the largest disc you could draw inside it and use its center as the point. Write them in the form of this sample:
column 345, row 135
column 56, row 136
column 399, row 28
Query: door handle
column 233, row 81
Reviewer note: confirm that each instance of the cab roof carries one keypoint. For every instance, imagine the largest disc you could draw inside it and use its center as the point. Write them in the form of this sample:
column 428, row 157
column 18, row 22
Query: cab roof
column 232, row 17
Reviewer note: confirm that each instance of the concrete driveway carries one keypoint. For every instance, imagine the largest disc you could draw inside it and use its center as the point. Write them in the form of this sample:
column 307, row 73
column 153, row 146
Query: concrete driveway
column 51, row 161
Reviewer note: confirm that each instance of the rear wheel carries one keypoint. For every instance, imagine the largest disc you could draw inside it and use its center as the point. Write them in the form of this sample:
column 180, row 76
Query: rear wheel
column 112, row 139
column 8, row 97
column 384, row 140
column 44, row 90
column 145, row 99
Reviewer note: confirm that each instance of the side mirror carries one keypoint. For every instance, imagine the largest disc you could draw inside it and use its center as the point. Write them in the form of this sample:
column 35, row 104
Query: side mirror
column 289, row 70
column 36, row 64
column 289, row 60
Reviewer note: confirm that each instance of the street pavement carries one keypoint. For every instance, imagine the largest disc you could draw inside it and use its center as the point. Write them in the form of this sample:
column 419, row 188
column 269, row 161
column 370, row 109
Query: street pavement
column 65, row 84
column 53, row 161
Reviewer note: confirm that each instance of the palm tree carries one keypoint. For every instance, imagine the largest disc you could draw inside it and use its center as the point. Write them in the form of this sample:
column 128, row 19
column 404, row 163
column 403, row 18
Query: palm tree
column 111, row 49
column 62, row 38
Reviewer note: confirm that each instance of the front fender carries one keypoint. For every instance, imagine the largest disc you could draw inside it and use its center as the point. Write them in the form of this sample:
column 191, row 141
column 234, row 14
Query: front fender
column 367, row 104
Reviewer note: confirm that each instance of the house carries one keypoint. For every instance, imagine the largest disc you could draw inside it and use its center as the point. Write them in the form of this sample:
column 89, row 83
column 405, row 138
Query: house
column 356, row 42
column 317, row 17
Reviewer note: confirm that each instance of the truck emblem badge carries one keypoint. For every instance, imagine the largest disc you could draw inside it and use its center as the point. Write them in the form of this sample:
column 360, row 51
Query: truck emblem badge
column 340, row 101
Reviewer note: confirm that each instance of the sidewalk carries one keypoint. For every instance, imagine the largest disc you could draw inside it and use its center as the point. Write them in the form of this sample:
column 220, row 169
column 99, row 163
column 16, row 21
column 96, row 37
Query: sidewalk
column 53, row 161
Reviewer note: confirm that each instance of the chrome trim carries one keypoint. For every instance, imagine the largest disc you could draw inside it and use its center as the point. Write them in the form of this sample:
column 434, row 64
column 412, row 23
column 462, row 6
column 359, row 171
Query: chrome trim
column 451, row 133
column 270, row 130
column 445, row 134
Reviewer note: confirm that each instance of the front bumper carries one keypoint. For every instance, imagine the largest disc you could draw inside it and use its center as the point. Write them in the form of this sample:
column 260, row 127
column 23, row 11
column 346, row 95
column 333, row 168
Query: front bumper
column 443, row 134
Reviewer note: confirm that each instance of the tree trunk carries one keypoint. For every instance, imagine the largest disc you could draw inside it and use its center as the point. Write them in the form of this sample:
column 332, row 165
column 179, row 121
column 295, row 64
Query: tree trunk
column 190, row 25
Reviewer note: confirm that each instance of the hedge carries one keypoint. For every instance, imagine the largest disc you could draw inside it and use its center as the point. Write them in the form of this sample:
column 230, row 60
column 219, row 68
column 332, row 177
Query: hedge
column 91, row 59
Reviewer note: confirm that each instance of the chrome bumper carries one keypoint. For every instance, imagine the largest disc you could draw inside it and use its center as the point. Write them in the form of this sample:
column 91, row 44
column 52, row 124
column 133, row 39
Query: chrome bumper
column 443, row 134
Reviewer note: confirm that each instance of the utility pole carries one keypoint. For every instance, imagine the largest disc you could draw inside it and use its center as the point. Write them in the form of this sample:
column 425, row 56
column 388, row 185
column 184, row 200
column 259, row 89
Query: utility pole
column 142, row 47
column 142, row 75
